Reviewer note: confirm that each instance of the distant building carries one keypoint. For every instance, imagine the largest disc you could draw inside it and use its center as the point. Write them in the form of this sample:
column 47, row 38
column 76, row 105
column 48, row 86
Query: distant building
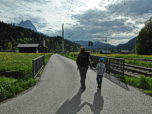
column 31, row 48
column 28, row 48
column 105, row 52
column 124, row 51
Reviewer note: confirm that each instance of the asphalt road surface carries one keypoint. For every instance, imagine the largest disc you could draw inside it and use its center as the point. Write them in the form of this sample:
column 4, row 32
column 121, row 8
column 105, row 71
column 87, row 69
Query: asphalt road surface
column 58, row 92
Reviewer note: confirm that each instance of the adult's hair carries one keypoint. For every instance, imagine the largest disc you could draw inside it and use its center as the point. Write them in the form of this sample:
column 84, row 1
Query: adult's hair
column 82, row 50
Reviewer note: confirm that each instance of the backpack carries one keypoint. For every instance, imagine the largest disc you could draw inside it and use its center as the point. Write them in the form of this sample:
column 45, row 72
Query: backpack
column 83, row 61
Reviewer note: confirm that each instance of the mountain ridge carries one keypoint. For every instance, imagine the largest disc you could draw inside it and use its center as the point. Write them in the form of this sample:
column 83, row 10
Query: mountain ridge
column 128, row 45
column 28, row 24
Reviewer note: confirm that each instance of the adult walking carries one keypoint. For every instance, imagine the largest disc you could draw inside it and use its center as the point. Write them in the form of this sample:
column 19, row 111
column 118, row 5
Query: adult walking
column 83, row 68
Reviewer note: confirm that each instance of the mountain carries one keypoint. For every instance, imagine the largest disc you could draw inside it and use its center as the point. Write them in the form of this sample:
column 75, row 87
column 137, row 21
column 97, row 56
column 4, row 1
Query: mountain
column 129, row 45
column 27, row 24
column 96, row 44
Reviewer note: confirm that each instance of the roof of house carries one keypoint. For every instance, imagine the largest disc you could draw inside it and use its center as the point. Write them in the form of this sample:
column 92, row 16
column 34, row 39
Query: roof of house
column 27, row 45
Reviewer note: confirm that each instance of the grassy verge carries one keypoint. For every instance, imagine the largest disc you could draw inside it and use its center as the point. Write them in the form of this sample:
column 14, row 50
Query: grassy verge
column 11, row 87
column 143, row 83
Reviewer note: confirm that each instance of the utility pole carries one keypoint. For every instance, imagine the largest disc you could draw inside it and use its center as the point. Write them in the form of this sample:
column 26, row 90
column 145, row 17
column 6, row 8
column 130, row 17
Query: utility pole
column 106, row 46
column 105, row 43
column 63, row 37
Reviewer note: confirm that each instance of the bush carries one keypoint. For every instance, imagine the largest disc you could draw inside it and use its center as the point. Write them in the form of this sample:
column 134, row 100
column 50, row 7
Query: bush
column 132, row 81
column 150, row 83
column 143, row 82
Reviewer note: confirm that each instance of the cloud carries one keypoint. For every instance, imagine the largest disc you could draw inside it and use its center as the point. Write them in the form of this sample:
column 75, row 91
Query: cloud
column 86, row 18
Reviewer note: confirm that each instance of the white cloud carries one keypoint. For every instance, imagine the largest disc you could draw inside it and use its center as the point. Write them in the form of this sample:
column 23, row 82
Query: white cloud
column 86, row 18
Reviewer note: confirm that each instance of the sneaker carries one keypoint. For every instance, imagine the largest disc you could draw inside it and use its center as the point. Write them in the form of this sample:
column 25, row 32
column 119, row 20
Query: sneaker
column 99, row 86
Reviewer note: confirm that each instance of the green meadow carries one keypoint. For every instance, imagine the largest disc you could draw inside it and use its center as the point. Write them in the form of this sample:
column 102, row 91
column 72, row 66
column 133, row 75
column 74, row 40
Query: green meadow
column 17, row 63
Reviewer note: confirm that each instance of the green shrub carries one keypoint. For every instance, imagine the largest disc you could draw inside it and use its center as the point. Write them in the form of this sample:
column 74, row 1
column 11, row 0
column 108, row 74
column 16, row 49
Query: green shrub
column 143, row 82
column 132, row 81
column 150, row 83
column 18, row 88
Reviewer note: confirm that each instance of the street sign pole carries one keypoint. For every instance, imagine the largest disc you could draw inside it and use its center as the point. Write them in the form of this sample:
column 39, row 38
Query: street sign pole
column 90, row 48
column 63, row 37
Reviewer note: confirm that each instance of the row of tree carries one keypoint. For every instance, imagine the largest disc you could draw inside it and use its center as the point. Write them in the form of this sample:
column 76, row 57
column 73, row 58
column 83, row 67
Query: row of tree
column 19, row 35
column 144, row 39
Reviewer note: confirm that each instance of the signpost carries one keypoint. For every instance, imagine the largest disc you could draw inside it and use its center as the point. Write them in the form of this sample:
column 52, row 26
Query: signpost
column 90, row 44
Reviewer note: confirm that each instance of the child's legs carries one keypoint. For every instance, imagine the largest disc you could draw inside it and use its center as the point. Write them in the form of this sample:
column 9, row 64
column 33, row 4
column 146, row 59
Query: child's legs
column 99, row 77
column 98, row 80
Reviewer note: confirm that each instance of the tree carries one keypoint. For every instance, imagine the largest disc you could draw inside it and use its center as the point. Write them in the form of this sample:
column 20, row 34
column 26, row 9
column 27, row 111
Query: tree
column 14, row 48
column 144, row 41
column 93, row 50
column 9, row 46
column 112, row 50
column 2, row 41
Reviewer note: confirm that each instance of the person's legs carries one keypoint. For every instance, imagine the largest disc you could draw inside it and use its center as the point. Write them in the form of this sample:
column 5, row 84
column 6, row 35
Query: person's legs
column 83, row 77
column 100, row 79
column 97, row 79
column 85, row 72
column 80, row 70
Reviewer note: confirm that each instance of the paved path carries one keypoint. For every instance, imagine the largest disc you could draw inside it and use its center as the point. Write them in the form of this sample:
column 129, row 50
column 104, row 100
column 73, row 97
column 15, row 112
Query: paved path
column 58, row 92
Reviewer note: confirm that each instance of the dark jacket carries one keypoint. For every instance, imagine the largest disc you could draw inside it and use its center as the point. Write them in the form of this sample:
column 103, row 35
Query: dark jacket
column 89, row 63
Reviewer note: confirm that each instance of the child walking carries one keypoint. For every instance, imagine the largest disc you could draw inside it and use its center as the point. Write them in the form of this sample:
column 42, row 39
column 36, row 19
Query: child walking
column 100, row 71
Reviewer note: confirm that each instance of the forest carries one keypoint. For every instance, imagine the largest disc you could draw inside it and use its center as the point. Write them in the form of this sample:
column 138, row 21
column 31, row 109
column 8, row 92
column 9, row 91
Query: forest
column 19, row 35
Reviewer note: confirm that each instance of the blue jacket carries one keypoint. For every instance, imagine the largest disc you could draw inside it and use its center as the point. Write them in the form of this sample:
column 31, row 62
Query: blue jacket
column 101, row 69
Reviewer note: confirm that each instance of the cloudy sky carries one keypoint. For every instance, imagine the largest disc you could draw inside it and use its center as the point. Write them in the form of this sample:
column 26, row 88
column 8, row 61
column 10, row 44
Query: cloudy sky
column 119, row 20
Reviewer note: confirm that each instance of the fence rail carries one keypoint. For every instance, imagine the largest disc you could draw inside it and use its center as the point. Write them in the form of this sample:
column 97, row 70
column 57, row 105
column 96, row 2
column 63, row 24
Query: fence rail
column 37, row 64
column 117, row 66
column 111, row 64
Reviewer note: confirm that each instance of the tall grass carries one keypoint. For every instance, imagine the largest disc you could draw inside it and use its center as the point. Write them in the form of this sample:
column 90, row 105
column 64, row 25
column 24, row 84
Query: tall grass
column 10, row 87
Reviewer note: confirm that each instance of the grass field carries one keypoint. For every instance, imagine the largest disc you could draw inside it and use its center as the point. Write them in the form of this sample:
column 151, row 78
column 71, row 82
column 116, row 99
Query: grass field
column 10, row 87
column 13, row 61
column 121, row 55
column 127, row 57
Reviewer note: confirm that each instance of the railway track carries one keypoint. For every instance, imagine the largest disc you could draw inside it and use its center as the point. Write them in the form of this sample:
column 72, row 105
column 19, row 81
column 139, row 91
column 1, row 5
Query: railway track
column 132, row 70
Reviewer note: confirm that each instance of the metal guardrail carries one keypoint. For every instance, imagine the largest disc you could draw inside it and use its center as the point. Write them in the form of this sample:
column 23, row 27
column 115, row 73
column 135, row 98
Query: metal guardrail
column 113, row 65
column 37, row 64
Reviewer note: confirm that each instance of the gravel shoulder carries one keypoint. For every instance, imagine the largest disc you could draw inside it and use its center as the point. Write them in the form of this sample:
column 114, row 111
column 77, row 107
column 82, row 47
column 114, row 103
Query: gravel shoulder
column 58, row 92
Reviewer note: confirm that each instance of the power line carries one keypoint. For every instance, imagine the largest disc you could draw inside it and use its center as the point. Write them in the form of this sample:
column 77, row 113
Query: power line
column 89, row 14
column 106, row 16
column 81, row 18
column 68, row 10
column 96, row 17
